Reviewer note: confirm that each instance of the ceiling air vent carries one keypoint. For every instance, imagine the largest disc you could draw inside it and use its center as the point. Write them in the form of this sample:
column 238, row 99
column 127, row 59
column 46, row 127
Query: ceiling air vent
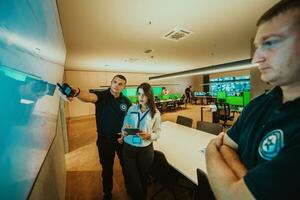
column 177, row 34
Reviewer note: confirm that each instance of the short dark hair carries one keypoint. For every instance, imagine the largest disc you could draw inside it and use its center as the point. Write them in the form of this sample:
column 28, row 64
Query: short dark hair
column 120, row 77
column 279, row 8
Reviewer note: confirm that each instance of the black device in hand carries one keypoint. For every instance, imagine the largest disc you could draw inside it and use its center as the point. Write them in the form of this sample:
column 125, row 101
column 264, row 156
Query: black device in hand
column 132, row 131
column 66, row 89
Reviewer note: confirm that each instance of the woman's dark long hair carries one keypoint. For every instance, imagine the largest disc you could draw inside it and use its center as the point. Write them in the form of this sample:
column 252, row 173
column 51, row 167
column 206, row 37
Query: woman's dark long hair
column 146, row 87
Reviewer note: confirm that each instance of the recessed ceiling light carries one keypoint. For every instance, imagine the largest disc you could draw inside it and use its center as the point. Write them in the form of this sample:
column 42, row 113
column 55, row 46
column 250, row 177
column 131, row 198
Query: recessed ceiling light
column 148, row 51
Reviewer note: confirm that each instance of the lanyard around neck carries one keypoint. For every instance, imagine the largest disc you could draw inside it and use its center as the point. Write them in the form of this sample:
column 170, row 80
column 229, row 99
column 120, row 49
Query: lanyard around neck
column 139, row 117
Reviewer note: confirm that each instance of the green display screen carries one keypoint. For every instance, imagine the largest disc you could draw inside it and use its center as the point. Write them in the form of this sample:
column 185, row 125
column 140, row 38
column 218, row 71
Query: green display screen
column 221, row 95
column 235, row 100
column 246, row 98
column 157, row 91
column 164, row 97
column 174, row 96
column 133, row 99
column 131, row 91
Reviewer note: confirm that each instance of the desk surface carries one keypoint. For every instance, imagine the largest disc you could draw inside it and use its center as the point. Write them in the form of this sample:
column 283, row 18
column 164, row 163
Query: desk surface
column 166, row 100
column 183, row 148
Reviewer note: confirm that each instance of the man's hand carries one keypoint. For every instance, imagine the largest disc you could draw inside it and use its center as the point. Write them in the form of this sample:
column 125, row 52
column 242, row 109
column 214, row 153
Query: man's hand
column 75, row 92
column 217, row 142
column 84, row 96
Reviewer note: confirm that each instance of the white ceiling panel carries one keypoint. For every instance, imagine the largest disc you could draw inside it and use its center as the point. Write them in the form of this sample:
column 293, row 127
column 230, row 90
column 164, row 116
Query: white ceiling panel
column 112, row 35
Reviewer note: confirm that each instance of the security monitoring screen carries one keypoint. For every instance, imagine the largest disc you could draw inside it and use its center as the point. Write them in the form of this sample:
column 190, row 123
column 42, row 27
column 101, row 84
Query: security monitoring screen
column 233, row 86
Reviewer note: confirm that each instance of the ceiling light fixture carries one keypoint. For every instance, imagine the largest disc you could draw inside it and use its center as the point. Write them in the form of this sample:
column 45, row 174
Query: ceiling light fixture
column 231, row 66
column 148, row 51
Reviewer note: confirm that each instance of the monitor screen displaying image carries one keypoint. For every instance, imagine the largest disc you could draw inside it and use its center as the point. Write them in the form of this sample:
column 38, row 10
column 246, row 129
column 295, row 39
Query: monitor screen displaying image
column 199, row 94
column 233, row 86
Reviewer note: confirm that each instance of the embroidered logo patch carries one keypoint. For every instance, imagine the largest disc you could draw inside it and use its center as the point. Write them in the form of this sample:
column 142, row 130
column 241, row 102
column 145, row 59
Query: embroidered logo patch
column 123, row 107
column 271, row 144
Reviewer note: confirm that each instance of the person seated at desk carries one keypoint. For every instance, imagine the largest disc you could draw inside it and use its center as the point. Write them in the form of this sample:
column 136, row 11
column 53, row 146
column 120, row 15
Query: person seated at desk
column 165, row 91
column 138, row 152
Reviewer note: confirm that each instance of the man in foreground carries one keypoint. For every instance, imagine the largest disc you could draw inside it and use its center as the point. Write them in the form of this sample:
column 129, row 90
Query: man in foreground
column 258, row 158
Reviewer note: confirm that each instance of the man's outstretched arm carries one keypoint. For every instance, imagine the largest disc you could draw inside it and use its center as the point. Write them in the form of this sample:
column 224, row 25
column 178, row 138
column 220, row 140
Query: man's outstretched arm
column 85, row 96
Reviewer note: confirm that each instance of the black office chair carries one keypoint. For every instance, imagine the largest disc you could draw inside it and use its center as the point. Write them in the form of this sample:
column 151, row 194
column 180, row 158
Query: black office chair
column 194, row 99
column 221, row 100
column 210, row 100
column 171, row 106
column 166, row 175
column 203, row 189
column 158, row 104
column 185, row 121
column 181, row 102
column 209, row 127
column 223, row 110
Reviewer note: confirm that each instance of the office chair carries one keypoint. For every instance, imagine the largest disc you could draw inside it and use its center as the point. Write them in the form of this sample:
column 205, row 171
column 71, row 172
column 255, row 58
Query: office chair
column 171, row 105
column 209, row 127
column 182, row 101
column 185, row 121
column 221, row 100
column 166, row 175
column 158, row 104
column 210, row 100
column 194, row 99
column 223, row 110
column 203, row 188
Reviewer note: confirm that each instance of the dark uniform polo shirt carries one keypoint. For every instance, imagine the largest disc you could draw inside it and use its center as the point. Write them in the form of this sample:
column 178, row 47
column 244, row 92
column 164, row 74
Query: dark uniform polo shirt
column 110, row 113
column 268, row 137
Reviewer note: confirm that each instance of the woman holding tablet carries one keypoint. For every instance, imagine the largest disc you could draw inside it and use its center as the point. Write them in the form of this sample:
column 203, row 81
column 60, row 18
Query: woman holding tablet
column 140, row 128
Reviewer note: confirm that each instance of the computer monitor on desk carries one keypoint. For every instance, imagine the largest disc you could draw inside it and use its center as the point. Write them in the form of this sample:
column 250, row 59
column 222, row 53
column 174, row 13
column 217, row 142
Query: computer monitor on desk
column 200, row 94
column 235, row 100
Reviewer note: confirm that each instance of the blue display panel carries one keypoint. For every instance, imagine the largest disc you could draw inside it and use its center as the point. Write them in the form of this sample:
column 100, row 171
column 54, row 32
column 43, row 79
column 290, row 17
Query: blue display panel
column 32, row 55
column 233, row 86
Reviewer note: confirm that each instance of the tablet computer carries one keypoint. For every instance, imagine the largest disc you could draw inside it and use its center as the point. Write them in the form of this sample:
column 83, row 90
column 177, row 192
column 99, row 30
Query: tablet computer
column 132, row 131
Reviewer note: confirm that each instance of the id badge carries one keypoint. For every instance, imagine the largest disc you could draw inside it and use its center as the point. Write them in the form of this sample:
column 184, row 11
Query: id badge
column 136, row 139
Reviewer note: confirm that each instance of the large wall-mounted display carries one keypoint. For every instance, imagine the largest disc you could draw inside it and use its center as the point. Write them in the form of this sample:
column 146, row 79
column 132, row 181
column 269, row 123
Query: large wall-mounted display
column 233, row 90
column 231, row 85
column 32, row 55
column 131, row 93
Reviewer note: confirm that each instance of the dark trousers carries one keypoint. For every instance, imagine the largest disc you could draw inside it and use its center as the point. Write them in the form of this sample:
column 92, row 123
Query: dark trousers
column 107, row 147
column 188, row 98
column 137, row 164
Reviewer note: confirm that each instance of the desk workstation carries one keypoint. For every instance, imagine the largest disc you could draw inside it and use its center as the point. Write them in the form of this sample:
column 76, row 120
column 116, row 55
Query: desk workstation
column 184, row 148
